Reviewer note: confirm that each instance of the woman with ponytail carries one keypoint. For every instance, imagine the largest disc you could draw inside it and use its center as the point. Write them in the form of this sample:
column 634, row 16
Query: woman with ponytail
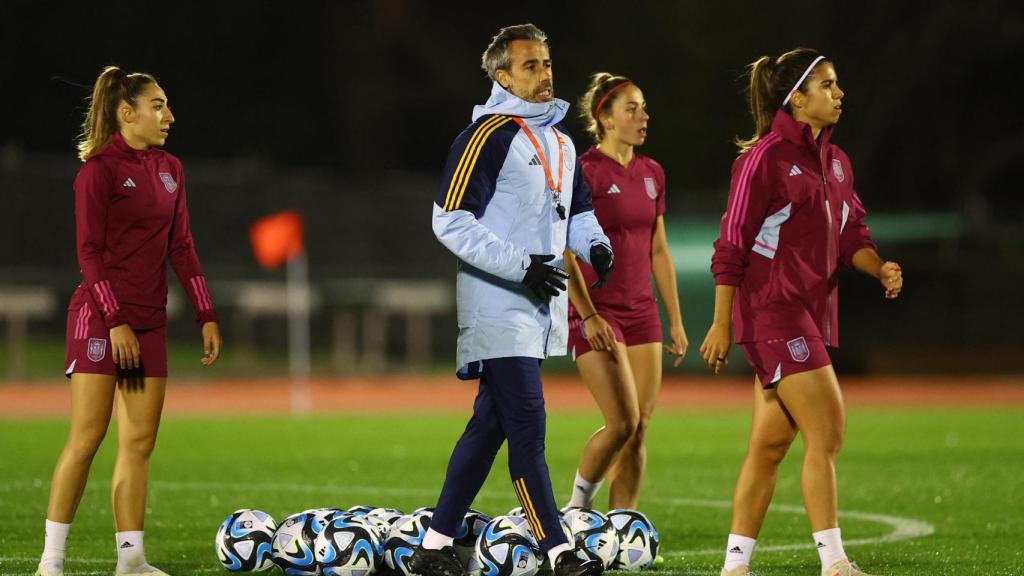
column 615, row 329
column 131, row 218
column 793, row 217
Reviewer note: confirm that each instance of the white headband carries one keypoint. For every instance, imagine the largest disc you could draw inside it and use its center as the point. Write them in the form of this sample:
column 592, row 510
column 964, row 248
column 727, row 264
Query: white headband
column 802, row 78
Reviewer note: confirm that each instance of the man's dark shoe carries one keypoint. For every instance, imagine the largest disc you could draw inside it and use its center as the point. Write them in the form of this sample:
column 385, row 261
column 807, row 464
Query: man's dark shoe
column 441, row 562
column 569, row 564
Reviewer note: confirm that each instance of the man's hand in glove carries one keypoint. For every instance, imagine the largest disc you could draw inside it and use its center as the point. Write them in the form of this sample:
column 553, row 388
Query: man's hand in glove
column 542, row 279
column 602, row 261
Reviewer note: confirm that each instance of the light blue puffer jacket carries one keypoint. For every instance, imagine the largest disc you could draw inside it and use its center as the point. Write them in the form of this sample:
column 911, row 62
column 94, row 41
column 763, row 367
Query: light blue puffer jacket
column 493, row 209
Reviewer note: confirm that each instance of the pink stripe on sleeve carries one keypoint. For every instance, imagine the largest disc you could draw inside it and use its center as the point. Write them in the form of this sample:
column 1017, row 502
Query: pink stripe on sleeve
column 202, row 296
column 206, row 294
column 105, row 286
column 104, row 303
column 739, row 212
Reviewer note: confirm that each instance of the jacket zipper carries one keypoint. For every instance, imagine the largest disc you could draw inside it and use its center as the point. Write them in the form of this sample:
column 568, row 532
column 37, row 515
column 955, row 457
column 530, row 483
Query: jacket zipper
column 828, row 259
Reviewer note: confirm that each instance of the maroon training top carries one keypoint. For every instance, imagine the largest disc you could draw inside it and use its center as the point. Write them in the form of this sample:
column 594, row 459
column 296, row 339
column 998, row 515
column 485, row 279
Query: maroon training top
column 793, row 217
column 131, row 217
column 627, row 203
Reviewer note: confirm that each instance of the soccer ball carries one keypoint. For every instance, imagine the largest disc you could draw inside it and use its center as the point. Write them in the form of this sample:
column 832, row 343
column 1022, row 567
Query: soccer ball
column 468, row 533
column 638, row 539
column 388, row 515
column 406, row 533
column 506, row 548
column 294, row 542
column 382, row 519
column 360, row 510
column 347, row 546
column 594, row 535
column 243, row 541
column 517, row 511
column 321, row 516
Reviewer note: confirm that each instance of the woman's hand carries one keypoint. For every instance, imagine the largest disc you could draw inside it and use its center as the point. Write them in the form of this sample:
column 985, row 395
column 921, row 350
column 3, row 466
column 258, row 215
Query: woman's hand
column 211, row 343
column 679, row 344
column 715, row 348
column 124, row 347
column 599, row 334
column 891, row 277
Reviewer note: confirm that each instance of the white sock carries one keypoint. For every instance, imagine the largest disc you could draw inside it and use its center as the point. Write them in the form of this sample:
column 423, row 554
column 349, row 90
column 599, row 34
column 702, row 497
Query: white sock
column 738, row 551
column 830, row 547
column 583, row 491
column 554, row 552
column 130, row 552
column 434, row 540
column 54, row 545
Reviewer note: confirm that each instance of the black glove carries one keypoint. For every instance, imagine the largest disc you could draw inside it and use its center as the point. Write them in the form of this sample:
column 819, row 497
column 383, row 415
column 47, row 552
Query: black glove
column 602, row 261
column 543, row 280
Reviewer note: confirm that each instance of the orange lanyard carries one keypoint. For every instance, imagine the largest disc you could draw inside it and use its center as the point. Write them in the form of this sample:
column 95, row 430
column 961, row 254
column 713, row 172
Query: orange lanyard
column 556, row 190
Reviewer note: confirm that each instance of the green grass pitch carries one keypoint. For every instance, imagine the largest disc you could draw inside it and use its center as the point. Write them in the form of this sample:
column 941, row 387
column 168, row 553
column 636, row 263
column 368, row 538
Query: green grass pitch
column 922, row 491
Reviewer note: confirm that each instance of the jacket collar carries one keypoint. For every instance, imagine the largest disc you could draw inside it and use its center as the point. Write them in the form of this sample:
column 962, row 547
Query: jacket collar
column 541, row 114
column 799, row 133
column 117, row 145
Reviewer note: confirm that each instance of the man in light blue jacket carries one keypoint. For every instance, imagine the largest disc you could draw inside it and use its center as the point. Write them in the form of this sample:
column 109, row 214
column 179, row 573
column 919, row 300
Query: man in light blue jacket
column 511, row 200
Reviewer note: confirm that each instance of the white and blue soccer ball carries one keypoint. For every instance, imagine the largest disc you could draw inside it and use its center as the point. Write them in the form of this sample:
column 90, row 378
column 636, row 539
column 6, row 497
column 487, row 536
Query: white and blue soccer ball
column 388, row 515
column 638, row 540
column 593, row 534
column 406, row 534
column 244, row 539
column 360, row 510
column 506, row 548
column 347, row 546
column 294, row 542
column 517, row 511
column 468, row 532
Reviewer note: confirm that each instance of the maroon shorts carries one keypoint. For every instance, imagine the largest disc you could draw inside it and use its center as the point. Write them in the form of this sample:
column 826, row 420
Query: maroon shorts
column 642, row 328
column 88, row 347
column 773, row 360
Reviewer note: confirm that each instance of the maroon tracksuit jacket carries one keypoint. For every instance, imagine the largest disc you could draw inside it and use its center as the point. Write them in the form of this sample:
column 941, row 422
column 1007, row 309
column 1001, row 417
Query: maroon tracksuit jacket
column 131, row 217
column 793, row 216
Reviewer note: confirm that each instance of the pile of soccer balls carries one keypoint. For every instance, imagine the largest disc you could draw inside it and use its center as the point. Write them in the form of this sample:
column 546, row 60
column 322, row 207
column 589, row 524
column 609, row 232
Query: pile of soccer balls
column 361, row 541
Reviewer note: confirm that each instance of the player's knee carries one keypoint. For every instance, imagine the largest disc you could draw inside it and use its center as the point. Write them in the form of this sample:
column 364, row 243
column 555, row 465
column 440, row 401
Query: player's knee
column 640, row 435
column 84, row 443
column 827, row 442
column 139, row 444
column 770, row 450
column 623, row 429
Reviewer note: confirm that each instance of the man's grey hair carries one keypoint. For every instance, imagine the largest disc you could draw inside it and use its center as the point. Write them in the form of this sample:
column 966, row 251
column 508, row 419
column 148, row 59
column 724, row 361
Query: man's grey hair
column 496, row 57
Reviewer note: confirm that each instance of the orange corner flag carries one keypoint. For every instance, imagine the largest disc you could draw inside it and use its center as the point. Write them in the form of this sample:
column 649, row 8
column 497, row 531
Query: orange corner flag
column 276, row 238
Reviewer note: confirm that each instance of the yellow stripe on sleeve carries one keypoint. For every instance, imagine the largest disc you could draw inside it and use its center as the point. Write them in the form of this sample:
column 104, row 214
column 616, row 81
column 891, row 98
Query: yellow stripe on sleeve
column 465, row 175
column 456, row 176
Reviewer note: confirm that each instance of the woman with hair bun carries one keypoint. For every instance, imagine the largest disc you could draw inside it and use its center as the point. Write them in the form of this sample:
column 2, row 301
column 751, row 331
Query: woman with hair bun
column 615, row 331
column 793, row 217
column 131, row 219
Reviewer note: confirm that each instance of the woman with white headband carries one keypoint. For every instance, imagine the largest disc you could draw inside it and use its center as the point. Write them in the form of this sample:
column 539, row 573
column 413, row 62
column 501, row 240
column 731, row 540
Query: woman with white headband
column 792, row 218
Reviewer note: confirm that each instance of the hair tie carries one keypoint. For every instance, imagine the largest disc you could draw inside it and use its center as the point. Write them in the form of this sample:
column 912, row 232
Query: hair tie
column 801, row 80
column 607, row 94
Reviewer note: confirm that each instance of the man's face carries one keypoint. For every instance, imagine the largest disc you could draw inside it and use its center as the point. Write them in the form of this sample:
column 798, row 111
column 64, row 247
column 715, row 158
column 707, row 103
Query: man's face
column 529, row 74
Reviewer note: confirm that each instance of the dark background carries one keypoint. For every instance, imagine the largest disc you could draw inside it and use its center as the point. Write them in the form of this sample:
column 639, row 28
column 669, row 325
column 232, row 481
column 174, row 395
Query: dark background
column 345, row 111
